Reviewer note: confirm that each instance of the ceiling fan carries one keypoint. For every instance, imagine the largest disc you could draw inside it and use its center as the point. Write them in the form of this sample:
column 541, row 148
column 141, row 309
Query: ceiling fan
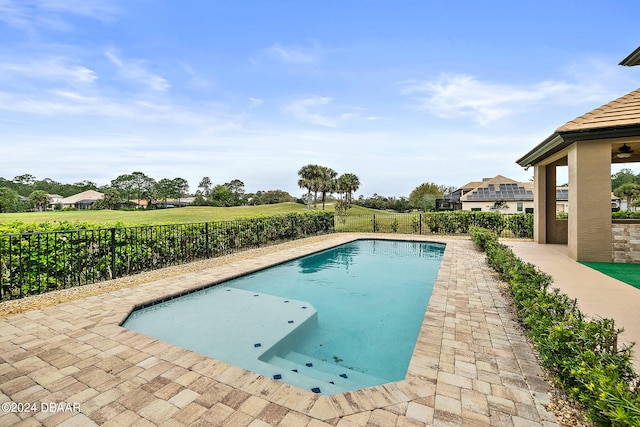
column 624, row 152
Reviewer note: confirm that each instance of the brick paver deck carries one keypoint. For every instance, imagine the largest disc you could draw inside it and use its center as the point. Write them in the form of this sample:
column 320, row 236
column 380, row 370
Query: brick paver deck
column 471, row 366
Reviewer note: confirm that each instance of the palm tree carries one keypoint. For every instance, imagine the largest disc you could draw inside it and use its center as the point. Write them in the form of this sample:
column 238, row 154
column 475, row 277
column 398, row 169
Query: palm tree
column 326, row 182
column 347, row 184
column 309, row 178
column 629, row 190
column 39, row 199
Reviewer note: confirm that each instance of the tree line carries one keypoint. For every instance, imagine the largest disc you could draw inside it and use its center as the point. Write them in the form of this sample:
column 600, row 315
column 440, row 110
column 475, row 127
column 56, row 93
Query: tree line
column 25, row 192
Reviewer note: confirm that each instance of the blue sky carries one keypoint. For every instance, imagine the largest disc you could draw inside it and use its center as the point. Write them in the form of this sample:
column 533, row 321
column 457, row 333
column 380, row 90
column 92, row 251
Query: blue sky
column 397, row 92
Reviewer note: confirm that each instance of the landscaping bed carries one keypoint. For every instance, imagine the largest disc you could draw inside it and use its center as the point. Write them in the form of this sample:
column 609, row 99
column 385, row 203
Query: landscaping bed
column 582, row 355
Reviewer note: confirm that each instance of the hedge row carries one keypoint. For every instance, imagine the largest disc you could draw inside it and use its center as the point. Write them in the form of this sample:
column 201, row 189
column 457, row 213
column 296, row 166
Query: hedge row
column 43, row 258
column 453, row 222
column 583, row 354
column 626, row 215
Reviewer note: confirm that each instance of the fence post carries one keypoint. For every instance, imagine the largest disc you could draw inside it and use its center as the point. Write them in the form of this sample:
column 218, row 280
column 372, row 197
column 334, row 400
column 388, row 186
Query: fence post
column 113, row 253
column 206, row 244
column 375, row 226
column 420, row 223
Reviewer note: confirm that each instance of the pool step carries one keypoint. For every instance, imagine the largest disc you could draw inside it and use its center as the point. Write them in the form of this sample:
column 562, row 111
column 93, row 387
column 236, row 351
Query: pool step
column 320, row 376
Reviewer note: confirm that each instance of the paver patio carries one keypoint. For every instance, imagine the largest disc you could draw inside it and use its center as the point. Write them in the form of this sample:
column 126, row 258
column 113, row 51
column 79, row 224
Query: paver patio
column 471, row 364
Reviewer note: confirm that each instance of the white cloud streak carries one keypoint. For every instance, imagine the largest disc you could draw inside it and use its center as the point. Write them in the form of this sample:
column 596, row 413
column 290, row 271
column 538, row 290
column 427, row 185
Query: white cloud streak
column 319, row 110
column 134, row 70
column 31, row 16
column 452, row 96
column 485, row 102
column 292, row 55
column 48, row 68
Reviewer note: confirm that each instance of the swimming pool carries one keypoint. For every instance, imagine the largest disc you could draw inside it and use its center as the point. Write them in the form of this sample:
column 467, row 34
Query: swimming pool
column 338, row 320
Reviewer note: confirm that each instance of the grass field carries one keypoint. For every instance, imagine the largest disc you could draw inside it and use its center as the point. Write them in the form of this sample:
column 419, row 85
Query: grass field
column 168, row 216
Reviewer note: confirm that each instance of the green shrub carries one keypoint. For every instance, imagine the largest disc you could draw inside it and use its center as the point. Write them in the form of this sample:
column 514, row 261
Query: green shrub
column 37, row 258
column 626, row 215
column 582, row 354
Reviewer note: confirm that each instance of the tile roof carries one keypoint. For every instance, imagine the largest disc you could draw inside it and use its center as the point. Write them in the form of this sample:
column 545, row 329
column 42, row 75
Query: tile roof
column 620, row 112
column 89, row 195
column 619, row 118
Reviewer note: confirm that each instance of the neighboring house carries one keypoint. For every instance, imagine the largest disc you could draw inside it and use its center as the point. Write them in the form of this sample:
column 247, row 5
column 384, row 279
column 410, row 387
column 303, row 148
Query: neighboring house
column 54, row 199
column 451, row 201
column 82, row 200
column 498, row 194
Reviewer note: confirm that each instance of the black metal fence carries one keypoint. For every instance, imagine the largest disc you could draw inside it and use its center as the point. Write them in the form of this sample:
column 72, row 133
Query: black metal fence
column 438, row 223
column 38, row 262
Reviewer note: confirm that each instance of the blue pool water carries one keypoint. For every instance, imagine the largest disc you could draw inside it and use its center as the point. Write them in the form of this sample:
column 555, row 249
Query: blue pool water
column 338, row 320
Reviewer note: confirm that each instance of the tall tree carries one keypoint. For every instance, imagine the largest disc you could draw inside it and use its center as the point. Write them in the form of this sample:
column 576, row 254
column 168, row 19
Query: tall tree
column 347, row 184
column 625, row 176
column 144, row 185
column 39, row 199
column 9, row 200
column 111, row 198
column 124, row 184
column 181, row 187
column 327, row 182
column 309, row 177
column 629, row 191
column 236, row 190
column 424, row 196
column 220, row 196
column 165, row 188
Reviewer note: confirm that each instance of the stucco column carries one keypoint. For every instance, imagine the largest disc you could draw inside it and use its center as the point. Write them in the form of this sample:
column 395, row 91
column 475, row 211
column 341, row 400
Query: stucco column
column 540, row 204
column 590, row 201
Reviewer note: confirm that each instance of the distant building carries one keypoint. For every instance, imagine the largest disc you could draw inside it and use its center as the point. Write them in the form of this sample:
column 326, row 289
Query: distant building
column 82, row 200
column 54, row 199
column 497, row 194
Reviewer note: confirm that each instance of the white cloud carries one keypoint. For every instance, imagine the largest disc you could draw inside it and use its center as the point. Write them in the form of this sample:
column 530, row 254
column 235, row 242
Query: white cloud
column 292, row 55
column 135, row 70
column 48, row 68
column 33, row 15
column 462, row 95
column 320, row 110
column 102, row 10
column 255, row 102
column 485, row 102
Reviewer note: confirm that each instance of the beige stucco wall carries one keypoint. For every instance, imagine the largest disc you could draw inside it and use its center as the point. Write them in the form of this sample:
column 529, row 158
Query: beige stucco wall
column 626, row 242
column 590, row 201
column 486, row 206
column 540, row 204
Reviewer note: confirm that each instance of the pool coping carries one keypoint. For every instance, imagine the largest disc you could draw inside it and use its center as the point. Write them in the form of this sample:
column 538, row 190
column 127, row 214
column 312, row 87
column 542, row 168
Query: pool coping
column 448, row 378
column 423, row 364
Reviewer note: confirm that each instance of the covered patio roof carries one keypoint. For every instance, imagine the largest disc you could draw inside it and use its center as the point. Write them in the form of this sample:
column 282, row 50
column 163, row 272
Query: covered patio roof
column 619, row 119
column 632, row 59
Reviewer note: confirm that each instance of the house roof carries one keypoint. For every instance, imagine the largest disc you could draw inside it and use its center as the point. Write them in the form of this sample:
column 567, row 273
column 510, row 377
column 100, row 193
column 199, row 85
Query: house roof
column 616, row 119
column 89, row 195
column 632, row 59
column 623, row 111
column 500, row 188
column 471, row 185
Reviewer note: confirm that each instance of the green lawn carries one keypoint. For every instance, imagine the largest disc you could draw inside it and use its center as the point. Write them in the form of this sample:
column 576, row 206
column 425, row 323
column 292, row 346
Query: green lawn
column 627, row 273
column 167, row 216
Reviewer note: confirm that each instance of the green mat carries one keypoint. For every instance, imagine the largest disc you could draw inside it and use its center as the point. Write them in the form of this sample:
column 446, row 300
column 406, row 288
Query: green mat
column 627, row 273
